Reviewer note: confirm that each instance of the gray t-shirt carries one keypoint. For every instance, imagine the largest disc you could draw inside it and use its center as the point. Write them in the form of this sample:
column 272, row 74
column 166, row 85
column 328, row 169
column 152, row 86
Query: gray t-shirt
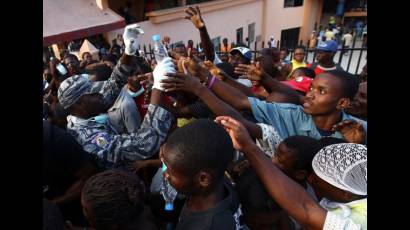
column 224, row 216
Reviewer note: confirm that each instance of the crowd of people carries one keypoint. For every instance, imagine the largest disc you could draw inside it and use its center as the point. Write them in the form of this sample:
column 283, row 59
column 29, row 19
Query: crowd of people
column 343, row 34
column 247, row 143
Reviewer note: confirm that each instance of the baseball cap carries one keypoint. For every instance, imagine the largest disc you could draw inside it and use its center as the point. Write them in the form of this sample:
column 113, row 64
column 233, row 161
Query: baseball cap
column 246, row 53
column 72, row 88
column 330, row 46
column 301, row 83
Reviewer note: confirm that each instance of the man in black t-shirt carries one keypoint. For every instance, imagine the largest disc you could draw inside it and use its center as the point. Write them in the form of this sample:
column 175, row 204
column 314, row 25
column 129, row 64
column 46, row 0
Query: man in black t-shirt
column 195, row 158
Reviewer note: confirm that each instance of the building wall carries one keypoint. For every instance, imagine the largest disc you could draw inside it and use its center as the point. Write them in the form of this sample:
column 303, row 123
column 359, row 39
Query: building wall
column 270, row 19
column 221, row 22
column 312, row 9
column 279, row 18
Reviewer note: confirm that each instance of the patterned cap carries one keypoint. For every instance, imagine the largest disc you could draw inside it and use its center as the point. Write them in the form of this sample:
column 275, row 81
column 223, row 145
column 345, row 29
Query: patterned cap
column 72, row 88
column 245, row 52
column 343, row 166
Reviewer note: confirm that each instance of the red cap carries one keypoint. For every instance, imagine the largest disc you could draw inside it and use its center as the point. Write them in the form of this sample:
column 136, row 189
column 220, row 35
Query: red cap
column 300, row 83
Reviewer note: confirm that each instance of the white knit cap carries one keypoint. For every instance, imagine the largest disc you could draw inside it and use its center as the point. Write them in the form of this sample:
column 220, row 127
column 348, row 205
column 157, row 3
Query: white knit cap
column 343, row 166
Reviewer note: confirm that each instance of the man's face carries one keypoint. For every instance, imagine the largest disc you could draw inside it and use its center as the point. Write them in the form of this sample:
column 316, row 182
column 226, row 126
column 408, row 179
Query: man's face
column 182, row 182
column 284, row 160
column 72, row 65
column 88, row 57
column 47, row 75
column 326, row 190
column 235, row 59
column 324, row 56
column 282, row 54
column 323, row 96
column 299, row 55
column 296, row 73
column 359, row 104
column 181, row 51
column 134, row 82
column 93, row 104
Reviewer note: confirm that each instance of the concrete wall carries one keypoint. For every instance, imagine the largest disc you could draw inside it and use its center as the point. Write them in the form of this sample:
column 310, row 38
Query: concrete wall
column 223, row 22
column 270, row 18
column 312, row 9
column 279, row 18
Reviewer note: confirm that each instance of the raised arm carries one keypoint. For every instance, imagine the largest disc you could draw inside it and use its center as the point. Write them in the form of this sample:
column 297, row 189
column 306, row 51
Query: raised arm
column 290, row 196
column 194, row 15
column 255, row 73
column 112, row 87
column 180, row 81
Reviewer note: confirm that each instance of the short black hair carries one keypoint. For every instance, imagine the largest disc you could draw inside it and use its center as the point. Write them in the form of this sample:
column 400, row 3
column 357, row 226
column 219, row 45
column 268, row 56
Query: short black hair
column 100, row 70
column 326, row 141
column 111, row 58
column 300, row 47
column 275, row 54
column 69, row 55
column 252, row 194
column 202, row 145
column 266, row 63
column 179, row 45
column 82, row 55
column 304, row 149
column 350, row 84
column 115, row 197
column 308, row 72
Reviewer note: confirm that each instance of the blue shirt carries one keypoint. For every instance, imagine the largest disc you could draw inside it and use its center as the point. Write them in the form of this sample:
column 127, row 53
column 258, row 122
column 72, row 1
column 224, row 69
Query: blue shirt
column 290, row 120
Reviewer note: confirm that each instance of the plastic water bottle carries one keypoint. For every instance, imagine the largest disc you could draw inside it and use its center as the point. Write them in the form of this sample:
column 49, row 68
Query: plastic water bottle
column 168, row 192
column 160, row 52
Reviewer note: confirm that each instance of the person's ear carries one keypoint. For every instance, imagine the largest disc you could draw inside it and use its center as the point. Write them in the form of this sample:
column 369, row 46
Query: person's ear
column 301, row 175
column 343, row 103
column 204, row 179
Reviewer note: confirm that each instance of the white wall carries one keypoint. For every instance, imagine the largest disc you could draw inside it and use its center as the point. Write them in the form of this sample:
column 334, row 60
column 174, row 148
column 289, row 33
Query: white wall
column 219, row 23
column 279, row 18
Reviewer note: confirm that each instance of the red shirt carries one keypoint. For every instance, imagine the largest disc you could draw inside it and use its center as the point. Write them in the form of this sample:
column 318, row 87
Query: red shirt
column 319, row 69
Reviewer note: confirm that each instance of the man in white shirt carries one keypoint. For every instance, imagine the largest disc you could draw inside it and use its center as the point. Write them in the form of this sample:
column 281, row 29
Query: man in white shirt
column 347, row 41
column 329, row 34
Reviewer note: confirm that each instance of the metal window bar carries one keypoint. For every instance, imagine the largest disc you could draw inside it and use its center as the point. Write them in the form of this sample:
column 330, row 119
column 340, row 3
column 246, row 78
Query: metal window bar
column 351, row 53
column 256, row 53
column 358, row 62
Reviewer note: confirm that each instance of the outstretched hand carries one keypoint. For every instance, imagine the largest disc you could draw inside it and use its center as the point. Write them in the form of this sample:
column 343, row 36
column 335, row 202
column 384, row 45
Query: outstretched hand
column 146, row 79
column 238, row 133
column 181, row 81
column 253, row 72
column 352, row 131
column 195, row 17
